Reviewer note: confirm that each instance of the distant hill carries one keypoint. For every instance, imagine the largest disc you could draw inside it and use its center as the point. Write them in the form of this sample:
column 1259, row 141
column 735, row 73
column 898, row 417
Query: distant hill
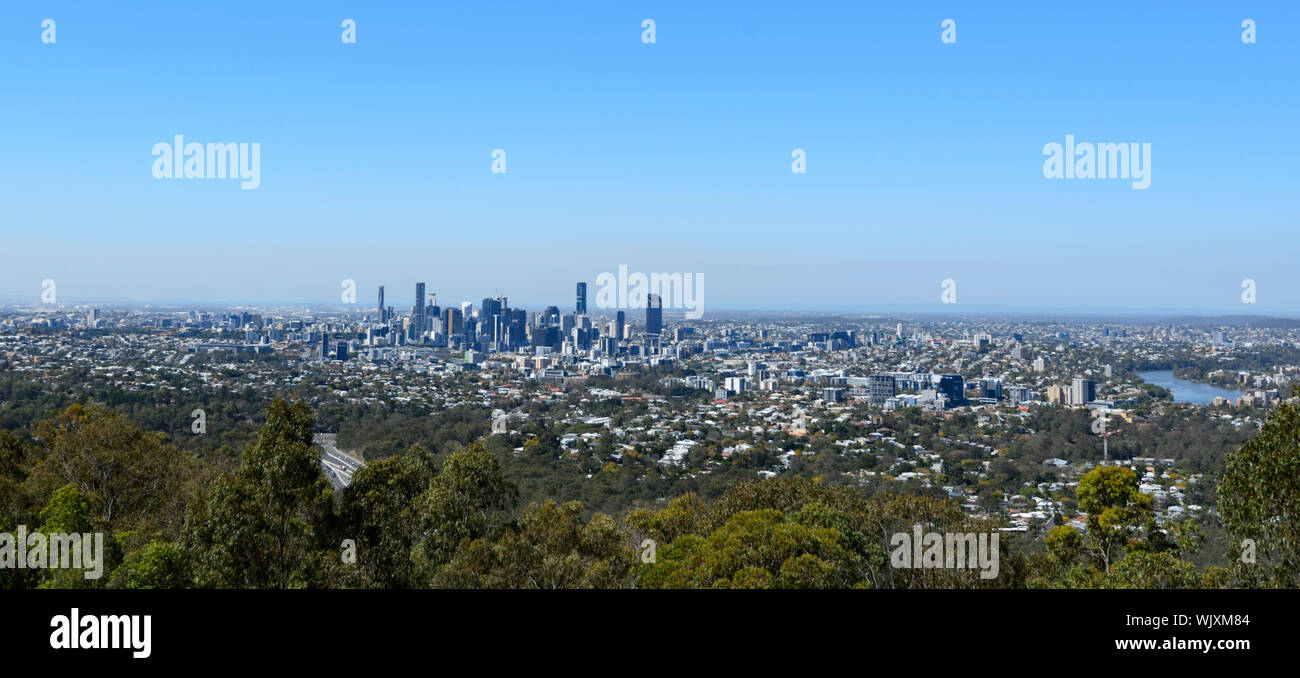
column 1257, row 321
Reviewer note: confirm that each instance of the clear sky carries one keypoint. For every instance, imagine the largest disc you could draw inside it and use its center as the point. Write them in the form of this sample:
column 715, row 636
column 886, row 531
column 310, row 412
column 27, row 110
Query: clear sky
column 924, row 159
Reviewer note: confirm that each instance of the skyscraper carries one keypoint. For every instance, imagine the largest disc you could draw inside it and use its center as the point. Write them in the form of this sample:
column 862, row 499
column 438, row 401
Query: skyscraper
column 382, row 319
column 452, row 321
column 620, row 322
column 417, row 313
column 654, row 314
column 582, row 298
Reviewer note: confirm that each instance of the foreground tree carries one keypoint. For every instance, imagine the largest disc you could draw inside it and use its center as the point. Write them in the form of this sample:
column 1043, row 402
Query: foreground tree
column 550, row 548
column 756, row 549
column 261, row 526
column 379, row 512
column 1116, row 510
column 1259, row 500
column 136, row 478
column 470, row 499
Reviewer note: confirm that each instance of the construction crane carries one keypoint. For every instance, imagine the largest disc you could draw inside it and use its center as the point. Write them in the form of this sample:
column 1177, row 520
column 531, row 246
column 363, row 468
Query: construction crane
column 1099, row 427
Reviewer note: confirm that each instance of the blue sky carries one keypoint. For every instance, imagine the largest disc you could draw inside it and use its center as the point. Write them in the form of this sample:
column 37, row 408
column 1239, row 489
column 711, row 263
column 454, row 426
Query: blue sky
column 924, row 159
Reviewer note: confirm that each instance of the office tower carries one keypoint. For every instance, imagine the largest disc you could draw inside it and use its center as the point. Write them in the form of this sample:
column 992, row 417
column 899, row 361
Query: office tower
column 620, row 324
column 991, row 388
column 581, row 307
column 951, row 385
column 880, row 387
column 324, row 345
column 382, row 318
column 433, row 313
column 500, row 331
column 341, row 350
column 900, row 330
column 417, row 313
column 551, row 316
column 654, row 314
column 518, row 327
column 1082, row 391
column 452, row 322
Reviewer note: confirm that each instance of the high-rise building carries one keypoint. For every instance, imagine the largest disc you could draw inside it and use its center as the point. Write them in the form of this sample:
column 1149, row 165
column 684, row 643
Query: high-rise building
column 452, row 321
column 1082, row 391
column 620, row 323
column 381, row 316
column 417, row 313
column 654, row 314
column 951, row 385
column 880, row 387
column 581, row 307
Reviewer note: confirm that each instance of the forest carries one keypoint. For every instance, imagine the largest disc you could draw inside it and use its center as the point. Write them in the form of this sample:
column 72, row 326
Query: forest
column 461, row 513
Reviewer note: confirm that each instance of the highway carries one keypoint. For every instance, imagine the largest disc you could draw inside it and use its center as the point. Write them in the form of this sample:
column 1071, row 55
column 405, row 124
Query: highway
column 338, row 467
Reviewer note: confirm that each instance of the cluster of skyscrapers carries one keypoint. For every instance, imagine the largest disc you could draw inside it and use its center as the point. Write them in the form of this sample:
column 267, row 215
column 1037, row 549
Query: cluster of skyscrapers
column 494, row 326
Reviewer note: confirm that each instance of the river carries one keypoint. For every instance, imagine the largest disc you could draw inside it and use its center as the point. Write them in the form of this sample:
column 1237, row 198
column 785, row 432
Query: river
column 1187, row 391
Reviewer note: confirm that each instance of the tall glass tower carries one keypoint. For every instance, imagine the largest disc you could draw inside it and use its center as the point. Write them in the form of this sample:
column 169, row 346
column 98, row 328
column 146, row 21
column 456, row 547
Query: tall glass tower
column 654, row 314
column 417, row 313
